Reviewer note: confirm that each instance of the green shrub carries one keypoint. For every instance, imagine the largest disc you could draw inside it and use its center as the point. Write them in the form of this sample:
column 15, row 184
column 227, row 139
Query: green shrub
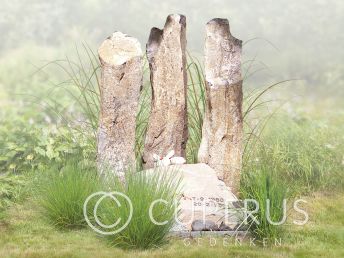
column 40, row 123
column 28, row 143
column 142, row 188
column 11, row 189
column 62, row 193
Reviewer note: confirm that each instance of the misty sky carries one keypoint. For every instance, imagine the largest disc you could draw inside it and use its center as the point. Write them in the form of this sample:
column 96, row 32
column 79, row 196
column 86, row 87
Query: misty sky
column 307, row 33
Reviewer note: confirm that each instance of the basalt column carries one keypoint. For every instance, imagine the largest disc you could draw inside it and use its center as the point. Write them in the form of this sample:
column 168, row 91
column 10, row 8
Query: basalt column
column 167, row 128
column 121, row 80
column 222, row 132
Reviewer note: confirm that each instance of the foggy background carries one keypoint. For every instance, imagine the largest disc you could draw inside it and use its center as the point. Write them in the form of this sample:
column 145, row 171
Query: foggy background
column 300, row 39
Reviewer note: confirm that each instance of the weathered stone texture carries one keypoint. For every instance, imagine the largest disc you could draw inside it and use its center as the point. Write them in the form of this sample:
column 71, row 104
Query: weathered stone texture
column 203, row 196
column 121, row 80
column 222, row 132
column 167, row 128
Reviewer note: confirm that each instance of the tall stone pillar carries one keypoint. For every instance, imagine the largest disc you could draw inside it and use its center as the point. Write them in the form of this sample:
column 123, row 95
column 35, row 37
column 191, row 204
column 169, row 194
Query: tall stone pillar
column 167, row 128
column 121, row 80
column 222, row 133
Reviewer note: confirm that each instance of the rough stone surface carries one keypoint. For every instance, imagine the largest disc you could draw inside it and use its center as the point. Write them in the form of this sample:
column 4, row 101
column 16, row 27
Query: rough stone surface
column 167, row 128
column 222, row 132
column 207, row 225
column 224, row 227
column 193, row 234
column 121, row 80
column 203, row 197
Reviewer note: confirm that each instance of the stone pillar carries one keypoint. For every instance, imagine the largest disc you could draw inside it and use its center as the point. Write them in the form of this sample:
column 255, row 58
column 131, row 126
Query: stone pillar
column 121, row 80
column 222, row 133
column 167, row 128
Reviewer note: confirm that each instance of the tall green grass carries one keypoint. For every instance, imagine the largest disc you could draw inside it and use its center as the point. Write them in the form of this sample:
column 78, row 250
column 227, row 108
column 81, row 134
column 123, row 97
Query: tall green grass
column 196, row 107
column 308, row 157
column 142, row 188
column 261, row 181
column 82, row 83
column 61, row 193
column 288, row 158
column 142, row 116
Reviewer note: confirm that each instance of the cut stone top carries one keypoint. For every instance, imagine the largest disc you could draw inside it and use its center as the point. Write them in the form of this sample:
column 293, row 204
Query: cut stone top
column 119, row 48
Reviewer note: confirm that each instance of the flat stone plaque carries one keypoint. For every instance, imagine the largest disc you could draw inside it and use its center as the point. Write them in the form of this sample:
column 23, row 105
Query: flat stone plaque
column 203, row 197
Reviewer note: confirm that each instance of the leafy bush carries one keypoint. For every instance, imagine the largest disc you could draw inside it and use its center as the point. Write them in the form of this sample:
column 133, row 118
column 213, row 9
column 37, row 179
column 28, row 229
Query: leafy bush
column 41, row 123
column 27, row 145
column 11, row 187
column 62, row 193
column 143, row 188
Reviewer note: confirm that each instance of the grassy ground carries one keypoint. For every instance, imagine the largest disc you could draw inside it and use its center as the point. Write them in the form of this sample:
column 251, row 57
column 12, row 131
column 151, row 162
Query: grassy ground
column 26, row 234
